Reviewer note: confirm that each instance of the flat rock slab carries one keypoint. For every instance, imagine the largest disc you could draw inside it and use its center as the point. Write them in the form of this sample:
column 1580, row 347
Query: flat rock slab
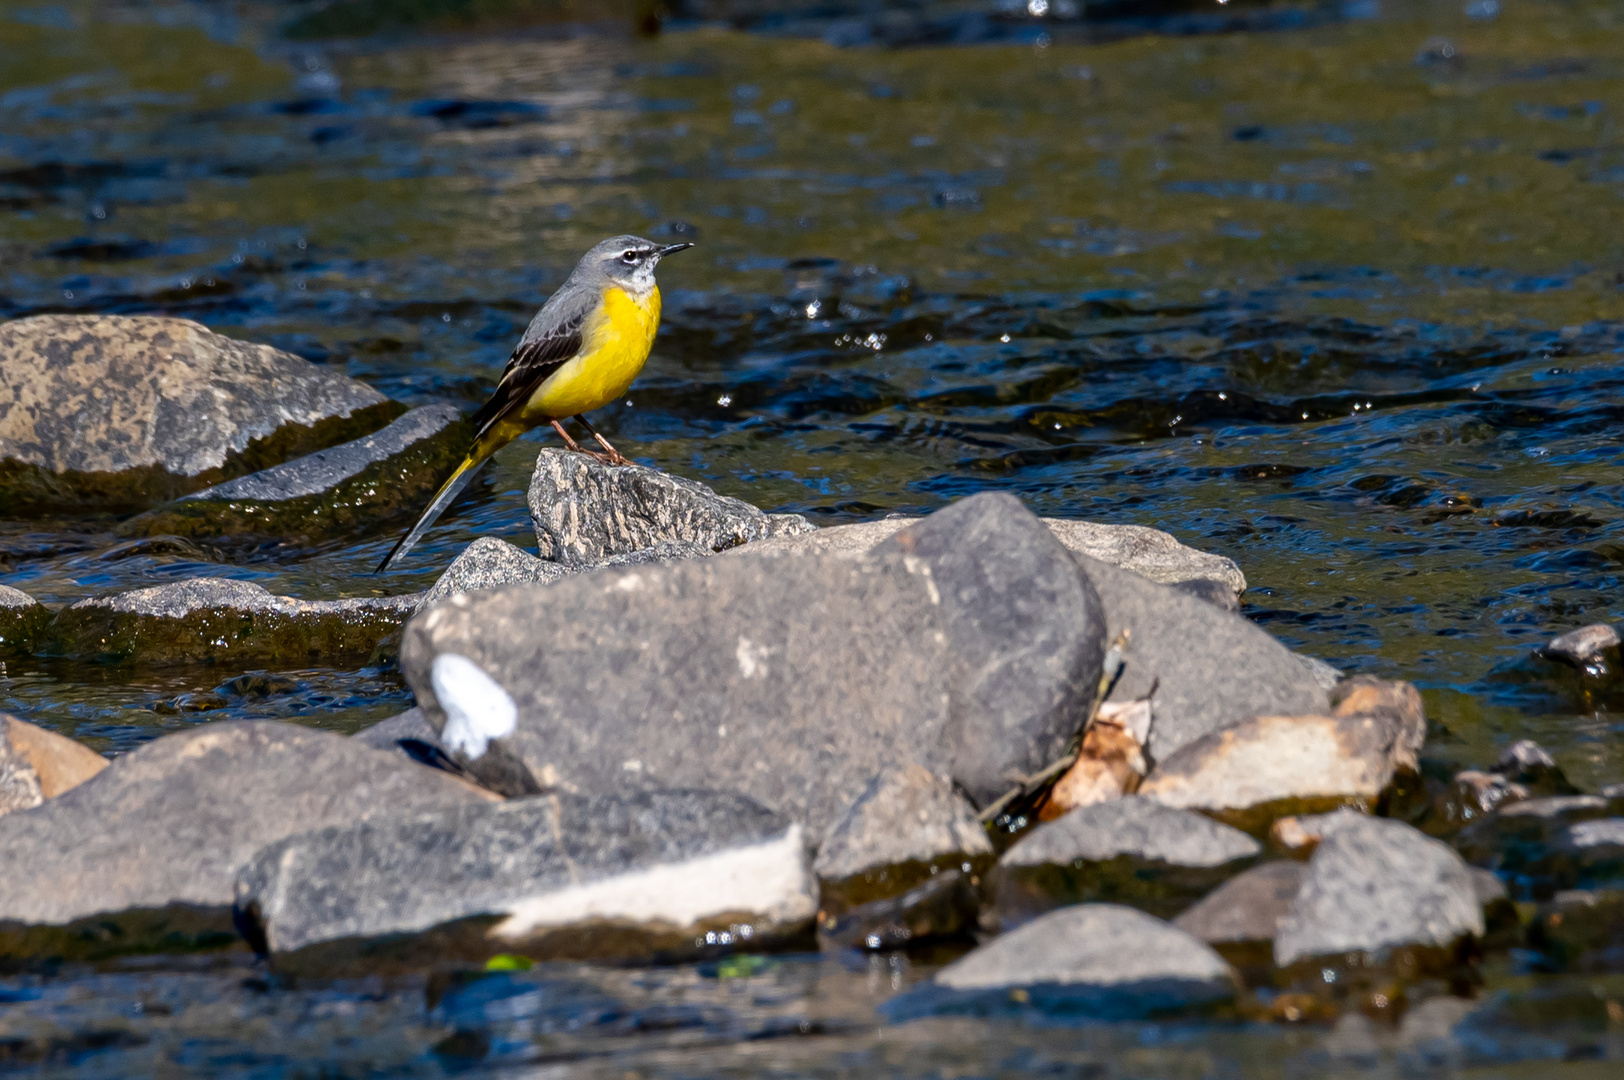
column 1210, row 668
column 36, row 764
column 789, row 684
column 585, row 511
column 1099, row 959
column 122, row 411
column 908, row 825
column 22, row 621
column 343, row 490
column 643, row 876
column 1151, row 553
column 1130, row 850
column 166, row 827
column 1255, row 772
column 1375, row 885
column 215, row 619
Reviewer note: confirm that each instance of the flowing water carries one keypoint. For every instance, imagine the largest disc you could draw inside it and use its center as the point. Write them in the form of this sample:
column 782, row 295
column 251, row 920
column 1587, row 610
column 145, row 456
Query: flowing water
column 1335, row 290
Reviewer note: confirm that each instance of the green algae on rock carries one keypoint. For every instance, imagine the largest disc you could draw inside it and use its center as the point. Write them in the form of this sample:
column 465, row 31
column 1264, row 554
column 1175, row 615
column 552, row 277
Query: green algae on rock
column 113, row 411
column 213, row 619
column 343, row 490
column 22, row 620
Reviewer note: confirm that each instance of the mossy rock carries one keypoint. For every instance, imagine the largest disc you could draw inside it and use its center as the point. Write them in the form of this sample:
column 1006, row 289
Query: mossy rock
column 23, row 621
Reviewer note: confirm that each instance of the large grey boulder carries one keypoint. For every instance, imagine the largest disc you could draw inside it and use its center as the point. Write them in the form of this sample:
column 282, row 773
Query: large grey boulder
column 124, row 411
column 343, row 490
column 1150, row 553
column 216, row 619
column 22, row 621
column 585, row 511
column 168, row 825
column 1210, row 668
column 1027, row 630
column 1129, row 850
column 648, row 875
column 1098, row 958
column 1259, row 770
column 36, row 764
column 788, row 681
column 1374, row 885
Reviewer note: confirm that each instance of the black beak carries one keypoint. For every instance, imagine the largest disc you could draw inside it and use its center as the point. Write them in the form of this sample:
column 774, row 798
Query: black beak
column 670, row 249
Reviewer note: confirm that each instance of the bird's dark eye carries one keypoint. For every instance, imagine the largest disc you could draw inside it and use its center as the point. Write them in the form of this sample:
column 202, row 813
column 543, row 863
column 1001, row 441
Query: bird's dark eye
column 629, row 257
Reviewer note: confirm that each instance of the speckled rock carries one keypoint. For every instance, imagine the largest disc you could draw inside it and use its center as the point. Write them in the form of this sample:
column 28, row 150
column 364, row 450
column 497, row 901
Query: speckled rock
column 489, row 563
column 36, row 764
column 1374, row 885
column 645, row 876
column 1211, row 668
column 1131, row 851
column 124, row 411
column 154, row 842
column 22, row 621
column 1098, row 959
column 217, row 619
column 344, row 490
column 1254, row 772
column 585, row 511
column 1148, row 552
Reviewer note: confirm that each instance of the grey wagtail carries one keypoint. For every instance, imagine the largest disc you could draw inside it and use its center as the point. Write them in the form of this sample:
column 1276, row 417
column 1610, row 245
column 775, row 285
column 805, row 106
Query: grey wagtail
column 581, row 351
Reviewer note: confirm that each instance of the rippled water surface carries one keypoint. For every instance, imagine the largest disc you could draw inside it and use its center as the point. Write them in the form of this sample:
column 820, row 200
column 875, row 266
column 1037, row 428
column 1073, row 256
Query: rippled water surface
column 1336, row 293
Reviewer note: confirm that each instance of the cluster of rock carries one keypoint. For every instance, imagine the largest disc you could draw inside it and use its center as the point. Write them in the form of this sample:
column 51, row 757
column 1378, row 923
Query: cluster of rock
column 691, row 727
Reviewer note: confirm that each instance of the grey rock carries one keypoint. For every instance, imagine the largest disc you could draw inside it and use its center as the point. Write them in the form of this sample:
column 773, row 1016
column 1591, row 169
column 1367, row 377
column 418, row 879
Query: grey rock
column 170, row 823
column 1586, row 854
column 585, row 511
column 1130, row 850
column 22, row 620
column 324, row 470
column 943, row 905
column 1517, row 839
column 635, row 876
column 906, row 826
column 19, row 783
column 1103, row 947
column 1027, row 628
column 1526, row 764
column 1210, row 668
column 1581, row 930
column 409, row 726
column 1584, row 648
column 1216, row 593
column 213, row 619
column 489, row 563
column 790, row 683
column 1299, row 834
column 1148, row 552
column 1247, row 908
column 1375, row 885
column 1323, row 674
column 94, row 395
column 1255, row 772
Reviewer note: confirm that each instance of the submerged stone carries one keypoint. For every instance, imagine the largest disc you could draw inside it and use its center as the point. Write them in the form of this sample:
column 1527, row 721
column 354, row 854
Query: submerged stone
column 151, row 845
column 343, row 490
column 122, row 411
column 585, row 511
column 1129, row 851
column 1097, row 959
column 1518, row 840
column 36, row 764
column 644, row 876
column 22, row 621
column 214, row 619
column 1581, row 930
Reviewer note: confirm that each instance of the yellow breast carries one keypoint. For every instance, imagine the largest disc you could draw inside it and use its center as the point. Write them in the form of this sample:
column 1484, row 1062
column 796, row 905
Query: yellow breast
column 614, row 346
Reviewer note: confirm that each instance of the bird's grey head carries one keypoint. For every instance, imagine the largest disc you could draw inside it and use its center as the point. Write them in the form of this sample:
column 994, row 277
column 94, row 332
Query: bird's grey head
column 627, row 261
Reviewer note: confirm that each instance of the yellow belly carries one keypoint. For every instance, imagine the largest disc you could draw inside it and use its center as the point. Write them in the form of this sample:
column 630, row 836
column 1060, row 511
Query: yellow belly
column 614, row 346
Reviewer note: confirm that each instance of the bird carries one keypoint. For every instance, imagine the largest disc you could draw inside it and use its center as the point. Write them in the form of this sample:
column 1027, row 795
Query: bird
column 581, row 351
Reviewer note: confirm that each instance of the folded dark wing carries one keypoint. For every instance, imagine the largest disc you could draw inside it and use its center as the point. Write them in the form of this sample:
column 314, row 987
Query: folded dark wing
column 537, row 356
